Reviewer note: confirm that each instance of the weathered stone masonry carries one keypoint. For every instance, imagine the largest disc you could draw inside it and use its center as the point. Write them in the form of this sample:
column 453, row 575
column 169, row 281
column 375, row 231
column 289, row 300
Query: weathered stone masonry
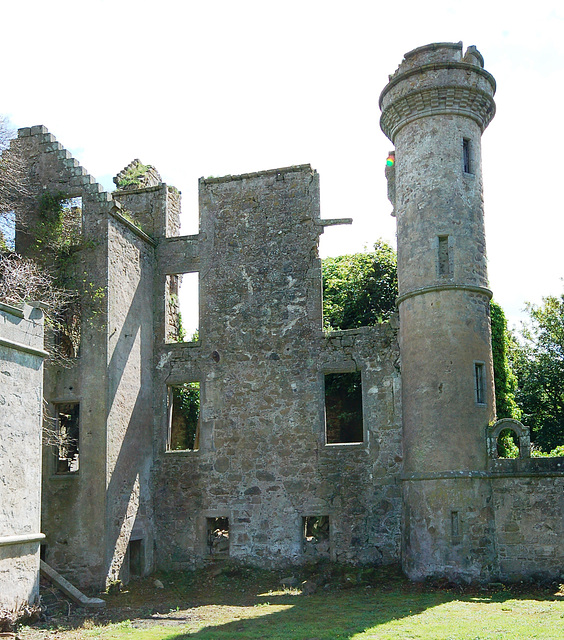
column 420, row 485
column 21, row 375
column 263, row 462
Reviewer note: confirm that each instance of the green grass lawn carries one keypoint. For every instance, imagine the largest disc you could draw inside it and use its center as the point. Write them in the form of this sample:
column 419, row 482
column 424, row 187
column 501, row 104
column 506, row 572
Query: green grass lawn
column 246, row 607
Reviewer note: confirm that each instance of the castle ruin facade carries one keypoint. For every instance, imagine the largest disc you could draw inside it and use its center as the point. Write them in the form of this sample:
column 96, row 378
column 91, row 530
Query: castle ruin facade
column 375, row 445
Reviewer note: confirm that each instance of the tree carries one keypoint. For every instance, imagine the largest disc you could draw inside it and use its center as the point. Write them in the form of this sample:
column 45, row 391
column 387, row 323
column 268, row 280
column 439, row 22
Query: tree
column 539, row 363
column 360, row 289
column 56, row 241
column 14, row 183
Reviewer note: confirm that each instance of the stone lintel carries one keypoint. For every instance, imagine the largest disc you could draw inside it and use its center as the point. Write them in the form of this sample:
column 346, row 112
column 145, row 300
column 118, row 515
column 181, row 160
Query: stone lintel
column 331, row 222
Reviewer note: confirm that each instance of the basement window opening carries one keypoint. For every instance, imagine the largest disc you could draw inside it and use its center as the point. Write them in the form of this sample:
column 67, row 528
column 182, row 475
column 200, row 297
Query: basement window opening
column 67, row 437
column 182, row 307
column 184, row 417
column 343, row 408
column 316, row 539
column 480, row 382
column 217, row 537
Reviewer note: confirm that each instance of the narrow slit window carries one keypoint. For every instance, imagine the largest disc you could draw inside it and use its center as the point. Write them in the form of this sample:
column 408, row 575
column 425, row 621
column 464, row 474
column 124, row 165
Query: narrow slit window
column 316, row 539
column 184, row 417
column 466, row 159
column 343, row 408
column 217, row 533
column 444, row 257
column 454, row 525
column 480, row 382
column 68, row 437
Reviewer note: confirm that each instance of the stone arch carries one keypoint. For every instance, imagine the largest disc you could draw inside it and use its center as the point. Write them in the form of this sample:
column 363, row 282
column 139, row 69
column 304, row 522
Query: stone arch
column 520, row 430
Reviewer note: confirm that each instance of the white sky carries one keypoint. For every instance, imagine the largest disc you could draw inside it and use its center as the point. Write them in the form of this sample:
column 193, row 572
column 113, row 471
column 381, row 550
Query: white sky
column 215, row 88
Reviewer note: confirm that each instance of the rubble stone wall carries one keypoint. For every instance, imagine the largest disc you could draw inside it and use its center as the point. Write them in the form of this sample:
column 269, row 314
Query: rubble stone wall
column 262, row 460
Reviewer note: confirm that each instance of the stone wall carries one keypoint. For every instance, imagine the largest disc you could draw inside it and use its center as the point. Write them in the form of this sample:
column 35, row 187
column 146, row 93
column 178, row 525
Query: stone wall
column 528, row 501
column 130, row 398
column 262, row 461
column 21, row 359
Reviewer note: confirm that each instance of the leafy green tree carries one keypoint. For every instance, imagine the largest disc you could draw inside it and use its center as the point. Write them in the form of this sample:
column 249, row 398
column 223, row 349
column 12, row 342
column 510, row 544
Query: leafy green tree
column 504, row 379
column 539, row 364
column 360, row 289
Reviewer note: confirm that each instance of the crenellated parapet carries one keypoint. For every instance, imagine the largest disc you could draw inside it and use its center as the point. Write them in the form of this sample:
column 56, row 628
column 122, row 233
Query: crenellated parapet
column 438, row 80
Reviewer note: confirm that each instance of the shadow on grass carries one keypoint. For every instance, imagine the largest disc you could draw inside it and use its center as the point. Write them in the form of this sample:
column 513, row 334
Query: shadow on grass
column 331, row 616
column 249, row 604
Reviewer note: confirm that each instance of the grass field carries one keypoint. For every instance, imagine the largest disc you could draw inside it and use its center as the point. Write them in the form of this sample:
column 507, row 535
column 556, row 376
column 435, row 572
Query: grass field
column 235, row 603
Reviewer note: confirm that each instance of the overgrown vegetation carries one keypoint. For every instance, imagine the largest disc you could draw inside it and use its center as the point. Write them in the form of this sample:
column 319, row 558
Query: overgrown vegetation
column 132, row 177
column 504, row 378
column 360, row 289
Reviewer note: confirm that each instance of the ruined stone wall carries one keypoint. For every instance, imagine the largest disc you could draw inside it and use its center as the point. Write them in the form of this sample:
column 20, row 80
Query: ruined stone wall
column 130, row 397
column 528, row 501
column 155, row 209
column 73, row 502
column 21, row 358
column 262, row 460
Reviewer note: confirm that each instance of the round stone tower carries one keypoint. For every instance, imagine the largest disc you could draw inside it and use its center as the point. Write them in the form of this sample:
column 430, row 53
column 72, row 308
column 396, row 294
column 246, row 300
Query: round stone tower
column 434, row 109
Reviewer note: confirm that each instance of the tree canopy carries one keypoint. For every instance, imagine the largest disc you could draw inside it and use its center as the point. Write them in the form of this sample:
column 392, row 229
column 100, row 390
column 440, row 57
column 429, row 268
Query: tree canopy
column 539, row 364
column 360, row 289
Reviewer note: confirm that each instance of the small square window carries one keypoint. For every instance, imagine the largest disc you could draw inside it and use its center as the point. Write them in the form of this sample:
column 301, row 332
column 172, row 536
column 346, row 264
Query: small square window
column 217, row 533
column 316, row 538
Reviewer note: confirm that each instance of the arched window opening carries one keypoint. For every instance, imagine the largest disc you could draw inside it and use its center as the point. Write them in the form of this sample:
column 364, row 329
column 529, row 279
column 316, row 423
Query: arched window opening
column 507, row 444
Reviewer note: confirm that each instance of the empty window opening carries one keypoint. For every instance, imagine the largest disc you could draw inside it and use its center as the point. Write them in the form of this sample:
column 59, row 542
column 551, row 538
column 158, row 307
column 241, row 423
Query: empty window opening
column 136, row 558
column 343, row 407
column 182, row 307
column 72, row 211
column 217, row 536
column 507, row 444
column 184, row 417
column 43, row 552
column 444, row 257
column 480, row 382
column 67, row 437
column 316, row 541
column 67, row 329
column 467, row 167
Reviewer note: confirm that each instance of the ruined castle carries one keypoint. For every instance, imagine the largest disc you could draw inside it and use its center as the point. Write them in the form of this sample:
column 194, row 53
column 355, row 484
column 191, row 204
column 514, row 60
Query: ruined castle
column 374, row 445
